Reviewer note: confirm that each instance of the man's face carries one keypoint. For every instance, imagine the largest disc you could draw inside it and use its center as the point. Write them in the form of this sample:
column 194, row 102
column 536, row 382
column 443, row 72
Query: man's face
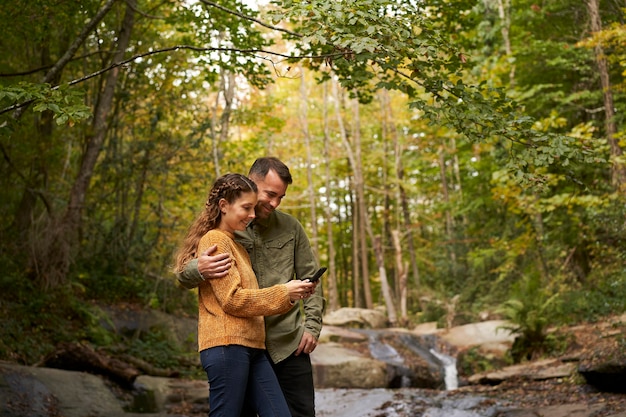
column 271, row 192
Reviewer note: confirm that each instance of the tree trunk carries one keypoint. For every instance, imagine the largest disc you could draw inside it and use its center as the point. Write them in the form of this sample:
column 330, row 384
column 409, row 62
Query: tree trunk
column 384, row 284
column 445, row 190
column 359, row 186
column 504, row 11
column 618, row 170
column 64, row 236
column 39, row 243
column 401, row 197
column 402, row 269
column 333, row 294
column 220, row 125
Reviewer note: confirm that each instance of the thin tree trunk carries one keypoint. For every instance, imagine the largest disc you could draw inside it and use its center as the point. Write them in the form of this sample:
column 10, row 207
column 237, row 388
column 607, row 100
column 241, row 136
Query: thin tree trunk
column 333, row 295
column 618, row 171
column 446, row 198
column 304, row 124
column 361, row 206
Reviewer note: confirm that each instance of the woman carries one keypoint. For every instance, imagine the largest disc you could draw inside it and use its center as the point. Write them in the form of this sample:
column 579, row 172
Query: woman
column 231, row 331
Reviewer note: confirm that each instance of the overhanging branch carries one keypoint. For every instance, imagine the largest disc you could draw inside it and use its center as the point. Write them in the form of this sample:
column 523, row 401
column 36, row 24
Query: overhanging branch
column 176, row 48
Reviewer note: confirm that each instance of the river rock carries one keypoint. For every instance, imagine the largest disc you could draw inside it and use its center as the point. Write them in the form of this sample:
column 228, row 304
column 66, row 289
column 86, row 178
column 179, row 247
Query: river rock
column 536, row 371
column 154, row 394
column 608, row 375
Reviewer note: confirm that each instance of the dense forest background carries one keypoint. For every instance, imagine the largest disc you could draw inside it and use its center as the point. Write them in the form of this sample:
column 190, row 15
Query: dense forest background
column 453, row 160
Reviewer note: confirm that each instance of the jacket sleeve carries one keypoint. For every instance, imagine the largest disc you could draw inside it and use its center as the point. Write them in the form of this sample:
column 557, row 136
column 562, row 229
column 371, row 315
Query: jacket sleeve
column 314, row 305
column 190, row 277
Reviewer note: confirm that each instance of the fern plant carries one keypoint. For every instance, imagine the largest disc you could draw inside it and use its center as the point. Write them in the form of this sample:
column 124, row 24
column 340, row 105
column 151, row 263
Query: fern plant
column 529, row 321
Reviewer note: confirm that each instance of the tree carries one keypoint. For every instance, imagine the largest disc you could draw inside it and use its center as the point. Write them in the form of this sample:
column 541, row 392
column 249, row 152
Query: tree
column 618, row 171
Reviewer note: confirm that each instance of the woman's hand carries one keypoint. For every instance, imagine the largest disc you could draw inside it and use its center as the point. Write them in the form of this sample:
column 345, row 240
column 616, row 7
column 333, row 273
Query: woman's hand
column 299, row 290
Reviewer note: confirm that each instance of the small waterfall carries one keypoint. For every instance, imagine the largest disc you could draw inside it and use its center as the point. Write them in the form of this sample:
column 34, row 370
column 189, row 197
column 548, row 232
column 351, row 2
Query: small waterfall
column 434, row 365
column 386, row 353
column 449, row 368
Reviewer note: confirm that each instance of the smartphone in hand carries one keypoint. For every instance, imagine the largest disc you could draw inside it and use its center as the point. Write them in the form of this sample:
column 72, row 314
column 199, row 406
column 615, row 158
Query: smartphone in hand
column 318, row 274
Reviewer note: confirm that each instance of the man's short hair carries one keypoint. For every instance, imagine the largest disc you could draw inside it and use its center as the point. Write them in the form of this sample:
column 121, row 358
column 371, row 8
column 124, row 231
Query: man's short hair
column 262, row 166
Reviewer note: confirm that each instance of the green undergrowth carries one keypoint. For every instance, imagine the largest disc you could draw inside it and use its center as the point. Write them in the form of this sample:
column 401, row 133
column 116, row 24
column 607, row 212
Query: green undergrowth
column 36, row 322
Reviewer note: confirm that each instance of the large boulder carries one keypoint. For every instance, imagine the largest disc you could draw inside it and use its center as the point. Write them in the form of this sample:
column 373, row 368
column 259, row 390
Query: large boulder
column 360, row 318
column 486, row 333
column 40, row 392
column 337, row 367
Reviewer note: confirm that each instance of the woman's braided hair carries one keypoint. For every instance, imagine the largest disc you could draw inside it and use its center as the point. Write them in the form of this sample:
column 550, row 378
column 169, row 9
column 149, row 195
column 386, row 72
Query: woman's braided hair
column 228, row 187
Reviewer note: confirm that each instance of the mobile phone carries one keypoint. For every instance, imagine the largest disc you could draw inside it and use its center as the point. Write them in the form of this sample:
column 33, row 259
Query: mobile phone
column 318, row 274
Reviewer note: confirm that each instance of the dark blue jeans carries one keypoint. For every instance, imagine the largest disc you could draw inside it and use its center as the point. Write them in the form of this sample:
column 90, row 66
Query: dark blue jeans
column 295, row 376
column 239, row 374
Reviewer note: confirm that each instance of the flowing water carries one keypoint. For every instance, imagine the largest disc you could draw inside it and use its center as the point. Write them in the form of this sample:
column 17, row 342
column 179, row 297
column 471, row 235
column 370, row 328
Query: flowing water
column 451, row 377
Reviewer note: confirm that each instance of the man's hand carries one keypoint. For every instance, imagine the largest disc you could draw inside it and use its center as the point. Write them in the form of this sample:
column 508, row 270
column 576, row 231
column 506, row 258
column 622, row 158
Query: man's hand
column 308, row 343
column 216, row 266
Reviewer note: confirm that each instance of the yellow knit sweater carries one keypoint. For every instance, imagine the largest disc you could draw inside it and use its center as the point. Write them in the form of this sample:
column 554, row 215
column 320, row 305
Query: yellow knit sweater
column 230, row 309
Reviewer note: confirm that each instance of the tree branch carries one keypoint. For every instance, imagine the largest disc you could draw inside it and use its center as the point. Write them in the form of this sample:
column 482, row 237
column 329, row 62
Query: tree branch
column 252, row 19
column 47, row 67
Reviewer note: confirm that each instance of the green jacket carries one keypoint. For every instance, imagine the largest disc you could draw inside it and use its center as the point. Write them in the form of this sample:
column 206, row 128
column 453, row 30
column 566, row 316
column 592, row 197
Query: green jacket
column 280, row 251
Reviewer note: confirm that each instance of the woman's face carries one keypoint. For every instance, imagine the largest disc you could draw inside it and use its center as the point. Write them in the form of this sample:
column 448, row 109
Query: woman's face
column 237, row 215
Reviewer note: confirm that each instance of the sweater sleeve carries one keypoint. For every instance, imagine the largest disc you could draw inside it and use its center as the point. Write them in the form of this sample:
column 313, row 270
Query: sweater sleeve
column 244, row 302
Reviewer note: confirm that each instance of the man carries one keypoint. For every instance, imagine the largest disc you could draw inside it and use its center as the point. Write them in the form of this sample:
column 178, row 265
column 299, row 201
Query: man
column 280, row 251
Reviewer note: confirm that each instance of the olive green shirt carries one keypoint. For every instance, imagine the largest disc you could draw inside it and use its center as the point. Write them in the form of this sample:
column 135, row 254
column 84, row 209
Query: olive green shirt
column 280, row 251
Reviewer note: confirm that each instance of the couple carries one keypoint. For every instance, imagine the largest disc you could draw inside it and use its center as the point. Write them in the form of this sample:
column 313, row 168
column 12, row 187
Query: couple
column 231, row 334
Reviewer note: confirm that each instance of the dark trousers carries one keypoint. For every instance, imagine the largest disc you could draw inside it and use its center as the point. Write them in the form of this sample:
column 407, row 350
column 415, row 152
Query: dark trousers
column 240, row 375
column 295, row 376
